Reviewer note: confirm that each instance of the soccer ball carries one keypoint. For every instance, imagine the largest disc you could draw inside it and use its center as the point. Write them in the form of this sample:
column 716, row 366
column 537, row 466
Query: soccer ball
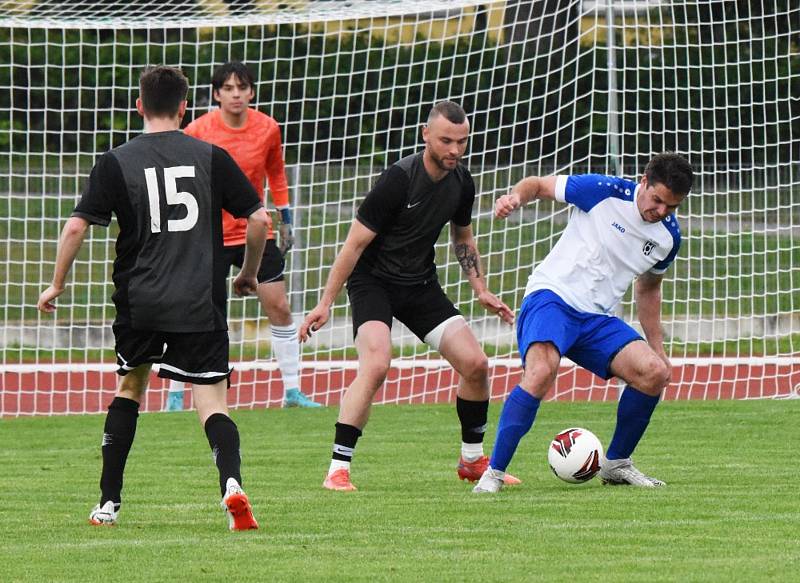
column 574, row 455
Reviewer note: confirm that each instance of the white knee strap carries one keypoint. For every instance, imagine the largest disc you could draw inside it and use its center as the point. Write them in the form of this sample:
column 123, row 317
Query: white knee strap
column 434, row 337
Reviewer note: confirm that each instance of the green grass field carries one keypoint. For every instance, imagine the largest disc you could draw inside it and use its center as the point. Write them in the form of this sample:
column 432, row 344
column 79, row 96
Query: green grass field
column 730, row 511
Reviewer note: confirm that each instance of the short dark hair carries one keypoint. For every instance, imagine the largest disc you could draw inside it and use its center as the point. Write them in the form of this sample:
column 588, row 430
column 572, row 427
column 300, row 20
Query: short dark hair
column 451, row 110
column 162, row 90
column 224, row 71
column 672, row 170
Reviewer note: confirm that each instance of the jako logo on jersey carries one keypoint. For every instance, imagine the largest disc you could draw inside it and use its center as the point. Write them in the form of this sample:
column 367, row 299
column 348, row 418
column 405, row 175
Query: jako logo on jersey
column 618, row 227
column 648, row 247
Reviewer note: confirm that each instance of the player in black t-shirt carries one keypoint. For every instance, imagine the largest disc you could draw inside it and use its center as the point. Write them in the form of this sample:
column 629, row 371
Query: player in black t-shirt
column 167, row 191
column 388, row 262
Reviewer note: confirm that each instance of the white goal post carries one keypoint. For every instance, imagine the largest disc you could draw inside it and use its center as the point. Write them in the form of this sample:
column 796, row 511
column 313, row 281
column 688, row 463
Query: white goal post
column 550, row 86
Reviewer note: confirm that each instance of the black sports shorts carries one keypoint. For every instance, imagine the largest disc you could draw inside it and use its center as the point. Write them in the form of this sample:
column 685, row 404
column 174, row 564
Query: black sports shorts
column 420, row 307
column 193, row 357
column 272, row 262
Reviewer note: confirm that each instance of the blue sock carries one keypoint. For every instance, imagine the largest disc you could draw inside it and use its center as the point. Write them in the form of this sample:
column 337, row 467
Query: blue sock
column 633, row 416
column 515, row 421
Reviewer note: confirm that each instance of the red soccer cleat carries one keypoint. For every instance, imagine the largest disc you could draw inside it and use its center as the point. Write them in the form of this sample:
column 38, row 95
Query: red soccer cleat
column 339, row 480
column 237, row 506
column 472, row 471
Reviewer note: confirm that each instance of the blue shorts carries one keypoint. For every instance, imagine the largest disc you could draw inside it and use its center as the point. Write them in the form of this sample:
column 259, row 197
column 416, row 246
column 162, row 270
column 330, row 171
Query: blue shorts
column 589, row 340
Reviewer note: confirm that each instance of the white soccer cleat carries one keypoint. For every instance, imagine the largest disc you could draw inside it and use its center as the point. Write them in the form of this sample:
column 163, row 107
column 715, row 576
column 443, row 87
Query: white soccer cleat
column 491, row 482
column 104, row 515
column 623, row 473
column 237, row 507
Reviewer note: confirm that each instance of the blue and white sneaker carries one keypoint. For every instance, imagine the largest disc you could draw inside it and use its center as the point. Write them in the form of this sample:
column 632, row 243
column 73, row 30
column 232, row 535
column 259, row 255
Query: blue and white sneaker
column 294, row 398
column 174, row 401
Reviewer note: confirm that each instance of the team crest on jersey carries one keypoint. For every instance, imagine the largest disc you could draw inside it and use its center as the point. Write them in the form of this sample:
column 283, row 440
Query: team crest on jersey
column 648, row 247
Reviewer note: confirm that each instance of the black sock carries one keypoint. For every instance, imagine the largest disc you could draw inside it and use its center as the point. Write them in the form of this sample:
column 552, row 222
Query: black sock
column 223, row 437
column 345, row 442
column 118, row 434
column 472, row 415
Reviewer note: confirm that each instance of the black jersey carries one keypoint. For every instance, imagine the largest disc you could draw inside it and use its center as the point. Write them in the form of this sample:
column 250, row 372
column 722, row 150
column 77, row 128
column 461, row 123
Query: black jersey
column 167, row 191
column 407, row 210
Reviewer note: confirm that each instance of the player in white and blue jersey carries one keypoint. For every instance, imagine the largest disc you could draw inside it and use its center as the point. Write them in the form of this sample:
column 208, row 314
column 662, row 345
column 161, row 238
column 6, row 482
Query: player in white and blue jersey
column 618, row 232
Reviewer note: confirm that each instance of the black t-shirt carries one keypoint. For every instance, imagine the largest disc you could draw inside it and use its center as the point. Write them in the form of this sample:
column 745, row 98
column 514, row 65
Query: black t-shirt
column 407, row 210
column 167, row 191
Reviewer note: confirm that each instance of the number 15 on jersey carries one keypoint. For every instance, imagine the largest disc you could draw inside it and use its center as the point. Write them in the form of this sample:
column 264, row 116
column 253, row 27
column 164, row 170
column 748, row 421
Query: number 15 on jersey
column 173, row 197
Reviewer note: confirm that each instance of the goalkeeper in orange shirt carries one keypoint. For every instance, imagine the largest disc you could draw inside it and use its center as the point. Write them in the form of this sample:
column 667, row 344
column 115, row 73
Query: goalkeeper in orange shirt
column 253, row 139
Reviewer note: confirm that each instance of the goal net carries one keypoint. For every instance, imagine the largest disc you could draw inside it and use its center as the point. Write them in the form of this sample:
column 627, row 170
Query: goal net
column 550, row 86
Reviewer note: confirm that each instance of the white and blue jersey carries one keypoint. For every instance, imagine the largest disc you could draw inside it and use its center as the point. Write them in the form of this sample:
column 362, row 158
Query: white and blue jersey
column 605, row 245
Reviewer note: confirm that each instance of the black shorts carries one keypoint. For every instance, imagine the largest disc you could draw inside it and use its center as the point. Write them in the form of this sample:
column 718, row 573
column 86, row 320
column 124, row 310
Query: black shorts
column 420, row 307
column 272, row 262
column 193, row 357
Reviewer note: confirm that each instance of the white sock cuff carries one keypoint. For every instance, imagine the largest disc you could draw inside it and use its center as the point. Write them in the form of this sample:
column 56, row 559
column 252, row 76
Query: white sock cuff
column 284, row 332
column 338, row 465
column 471, row 451
column 342, row 450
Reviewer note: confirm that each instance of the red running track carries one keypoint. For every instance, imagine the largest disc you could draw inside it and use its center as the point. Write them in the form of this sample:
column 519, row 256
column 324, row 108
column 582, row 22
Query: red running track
column 43, row 393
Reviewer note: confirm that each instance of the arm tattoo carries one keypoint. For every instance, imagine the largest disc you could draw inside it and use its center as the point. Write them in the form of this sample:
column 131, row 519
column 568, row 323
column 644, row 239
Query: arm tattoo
column 468, row 258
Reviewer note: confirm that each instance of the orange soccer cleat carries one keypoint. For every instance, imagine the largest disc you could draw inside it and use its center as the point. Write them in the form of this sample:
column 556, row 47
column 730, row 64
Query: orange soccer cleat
column 237, row 507
column 339, row 480
column 472, row 471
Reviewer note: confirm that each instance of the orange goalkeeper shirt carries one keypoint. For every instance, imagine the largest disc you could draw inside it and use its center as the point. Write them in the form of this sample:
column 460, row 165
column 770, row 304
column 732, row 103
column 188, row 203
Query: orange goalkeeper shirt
column 256, row 148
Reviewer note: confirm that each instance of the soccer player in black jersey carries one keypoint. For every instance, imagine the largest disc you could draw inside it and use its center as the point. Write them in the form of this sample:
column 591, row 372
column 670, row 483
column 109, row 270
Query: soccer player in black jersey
column 388, row 263
column 167, row 191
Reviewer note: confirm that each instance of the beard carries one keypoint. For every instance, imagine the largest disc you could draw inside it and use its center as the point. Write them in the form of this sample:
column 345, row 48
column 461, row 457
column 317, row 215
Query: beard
column 445, row 164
